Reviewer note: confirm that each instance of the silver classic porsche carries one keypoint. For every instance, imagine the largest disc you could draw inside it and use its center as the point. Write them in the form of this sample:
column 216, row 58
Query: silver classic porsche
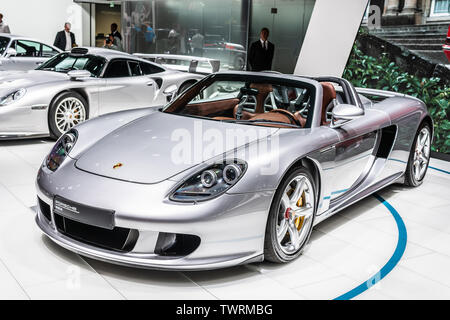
column 22, row 53
column 237, row 169
column 81, row 84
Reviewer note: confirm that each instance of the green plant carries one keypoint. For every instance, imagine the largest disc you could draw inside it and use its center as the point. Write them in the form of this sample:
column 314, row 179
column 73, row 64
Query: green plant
column 382, row 73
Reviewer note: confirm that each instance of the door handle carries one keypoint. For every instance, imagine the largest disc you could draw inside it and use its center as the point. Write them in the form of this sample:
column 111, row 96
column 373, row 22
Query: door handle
column 149, row 84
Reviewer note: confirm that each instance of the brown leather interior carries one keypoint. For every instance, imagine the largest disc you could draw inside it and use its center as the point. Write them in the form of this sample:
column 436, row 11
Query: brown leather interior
column 245, row 114
column 300, row 119
column 264, row 89
column 329, row 94
column 212, row 108
column 272, row 116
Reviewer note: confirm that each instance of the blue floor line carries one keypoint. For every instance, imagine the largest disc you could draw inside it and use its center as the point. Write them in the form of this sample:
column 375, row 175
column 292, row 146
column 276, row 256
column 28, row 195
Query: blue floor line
column 390, row 265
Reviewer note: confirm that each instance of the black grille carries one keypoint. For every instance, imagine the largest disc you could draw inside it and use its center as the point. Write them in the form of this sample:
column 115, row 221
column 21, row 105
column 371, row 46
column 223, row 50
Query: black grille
column 117, row 239
column 45, row 209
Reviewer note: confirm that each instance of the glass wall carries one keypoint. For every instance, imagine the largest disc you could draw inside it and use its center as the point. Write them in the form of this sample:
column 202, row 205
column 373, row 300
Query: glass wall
column 213, row 28
column 218, row 29
column 287, row 25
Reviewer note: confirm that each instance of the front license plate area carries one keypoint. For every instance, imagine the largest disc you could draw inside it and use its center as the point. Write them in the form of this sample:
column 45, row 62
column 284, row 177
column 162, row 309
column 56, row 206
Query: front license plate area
column 84, row 214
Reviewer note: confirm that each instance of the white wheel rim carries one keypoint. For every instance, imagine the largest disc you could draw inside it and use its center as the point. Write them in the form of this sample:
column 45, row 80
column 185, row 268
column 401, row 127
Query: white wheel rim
column 69, row 113
column 421, row 154
column 295, row 214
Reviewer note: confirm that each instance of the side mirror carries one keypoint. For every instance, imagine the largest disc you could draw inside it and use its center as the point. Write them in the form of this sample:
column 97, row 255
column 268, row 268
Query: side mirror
column 11, row 52
column 343, row 113
column 79, row 74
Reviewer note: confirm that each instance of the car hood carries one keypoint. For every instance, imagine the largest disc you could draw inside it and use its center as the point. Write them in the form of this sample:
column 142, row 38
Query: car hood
column 11, row 80
column 156, row 147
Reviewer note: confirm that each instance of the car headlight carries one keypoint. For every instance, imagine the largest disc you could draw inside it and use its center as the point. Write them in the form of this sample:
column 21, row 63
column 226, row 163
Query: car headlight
column 210, row 182
column 61, row 150
column 10, row 98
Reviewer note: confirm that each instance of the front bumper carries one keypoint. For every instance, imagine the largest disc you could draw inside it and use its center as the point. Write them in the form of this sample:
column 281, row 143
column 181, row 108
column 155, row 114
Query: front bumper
column 231, row 228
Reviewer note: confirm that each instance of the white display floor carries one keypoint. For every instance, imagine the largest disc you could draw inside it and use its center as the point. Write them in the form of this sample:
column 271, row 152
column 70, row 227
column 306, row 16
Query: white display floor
column 345, row 251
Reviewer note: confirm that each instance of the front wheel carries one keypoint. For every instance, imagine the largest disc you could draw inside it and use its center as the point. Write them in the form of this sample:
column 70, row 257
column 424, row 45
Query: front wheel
column 419, row 157
column 66, row 111
column 291, row 217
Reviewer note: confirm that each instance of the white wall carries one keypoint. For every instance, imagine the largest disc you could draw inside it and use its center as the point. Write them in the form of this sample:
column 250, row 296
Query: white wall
column 42, row 19
column 330, row 36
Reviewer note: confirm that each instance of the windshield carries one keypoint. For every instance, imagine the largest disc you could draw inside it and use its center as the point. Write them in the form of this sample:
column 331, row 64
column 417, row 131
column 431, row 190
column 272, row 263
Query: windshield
column 3, row 44
column 66, row 62
column 245, row 99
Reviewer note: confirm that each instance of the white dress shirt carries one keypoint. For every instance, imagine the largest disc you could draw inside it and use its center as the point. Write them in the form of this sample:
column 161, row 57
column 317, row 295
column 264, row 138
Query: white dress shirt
column 264, row 43
column 68, row 41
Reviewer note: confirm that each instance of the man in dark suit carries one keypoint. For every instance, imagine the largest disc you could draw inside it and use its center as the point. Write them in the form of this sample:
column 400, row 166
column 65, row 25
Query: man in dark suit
column 65, row 40
column 115, row 32
column 260, row 55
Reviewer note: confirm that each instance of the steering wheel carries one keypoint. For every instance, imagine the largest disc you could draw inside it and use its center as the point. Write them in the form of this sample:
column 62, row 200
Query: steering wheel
column 288, row 114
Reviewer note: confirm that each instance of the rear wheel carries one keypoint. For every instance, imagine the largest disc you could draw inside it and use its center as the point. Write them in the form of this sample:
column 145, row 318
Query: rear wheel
column 291, row 217
column 419, row 157
column 184, row 87
column 66, row 111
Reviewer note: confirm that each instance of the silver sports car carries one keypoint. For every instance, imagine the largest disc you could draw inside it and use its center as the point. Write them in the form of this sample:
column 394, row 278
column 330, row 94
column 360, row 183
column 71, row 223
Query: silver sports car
column 237, row 169
column 81, row 84
column 21, row 53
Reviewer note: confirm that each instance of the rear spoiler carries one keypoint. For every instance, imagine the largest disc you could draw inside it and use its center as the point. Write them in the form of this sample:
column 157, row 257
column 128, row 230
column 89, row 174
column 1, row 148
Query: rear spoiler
column 164, row 59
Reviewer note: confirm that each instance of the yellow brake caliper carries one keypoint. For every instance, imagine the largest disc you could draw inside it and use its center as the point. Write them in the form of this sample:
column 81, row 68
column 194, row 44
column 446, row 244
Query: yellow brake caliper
column 300, row 203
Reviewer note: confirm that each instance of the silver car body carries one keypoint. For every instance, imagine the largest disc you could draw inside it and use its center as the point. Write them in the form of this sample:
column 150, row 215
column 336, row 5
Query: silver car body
column 28, row 117
column 350, row 163
column 23, row 63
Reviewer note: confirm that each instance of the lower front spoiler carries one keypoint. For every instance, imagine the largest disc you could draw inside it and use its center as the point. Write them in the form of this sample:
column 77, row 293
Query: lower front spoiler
column 146, row 261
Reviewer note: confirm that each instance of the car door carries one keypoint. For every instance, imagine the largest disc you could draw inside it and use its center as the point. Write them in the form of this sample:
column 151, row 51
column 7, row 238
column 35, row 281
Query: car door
column 353, row 154
column 125, row 87
column 28, row 56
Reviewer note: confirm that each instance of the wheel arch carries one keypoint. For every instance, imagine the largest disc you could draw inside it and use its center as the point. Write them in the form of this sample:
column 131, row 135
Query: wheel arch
column 427, row 119
column 59, row 93
column 80, row 91
column 187, row 82
column 312, row 166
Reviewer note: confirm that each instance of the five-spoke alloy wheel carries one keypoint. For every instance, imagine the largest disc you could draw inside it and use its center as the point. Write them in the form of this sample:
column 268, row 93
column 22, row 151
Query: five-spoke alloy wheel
column 291, row 217
column 419, row 157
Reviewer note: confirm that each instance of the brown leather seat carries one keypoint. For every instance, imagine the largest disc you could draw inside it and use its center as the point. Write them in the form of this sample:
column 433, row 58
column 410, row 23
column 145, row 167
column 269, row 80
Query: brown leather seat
column 329, row 94
column 264, row 89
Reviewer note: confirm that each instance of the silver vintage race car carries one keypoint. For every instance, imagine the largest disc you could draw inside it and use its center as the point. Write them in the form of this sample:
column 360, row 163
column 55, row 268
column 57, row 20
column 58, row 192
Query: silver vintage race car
column 81, row 84
column 237, row 169
column 22, row 53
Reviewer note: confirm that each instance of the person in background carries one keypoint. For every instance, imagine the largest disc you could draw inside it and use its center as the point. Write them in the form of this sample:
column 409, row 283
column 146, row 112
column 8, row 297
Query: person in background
column 197, row 43
column 260, row 55
column 149, row 36
column 173, row 42
column 4, row 28
column 109, row 43
column 115, row 33
column 65, row 40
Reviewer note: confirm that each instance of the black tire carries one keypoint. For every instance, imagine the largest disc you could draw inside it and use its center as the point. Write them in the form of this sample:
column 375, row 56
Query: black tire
column 272, row 249
column 410, row 178
column 55, row 131
column 185, row 86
